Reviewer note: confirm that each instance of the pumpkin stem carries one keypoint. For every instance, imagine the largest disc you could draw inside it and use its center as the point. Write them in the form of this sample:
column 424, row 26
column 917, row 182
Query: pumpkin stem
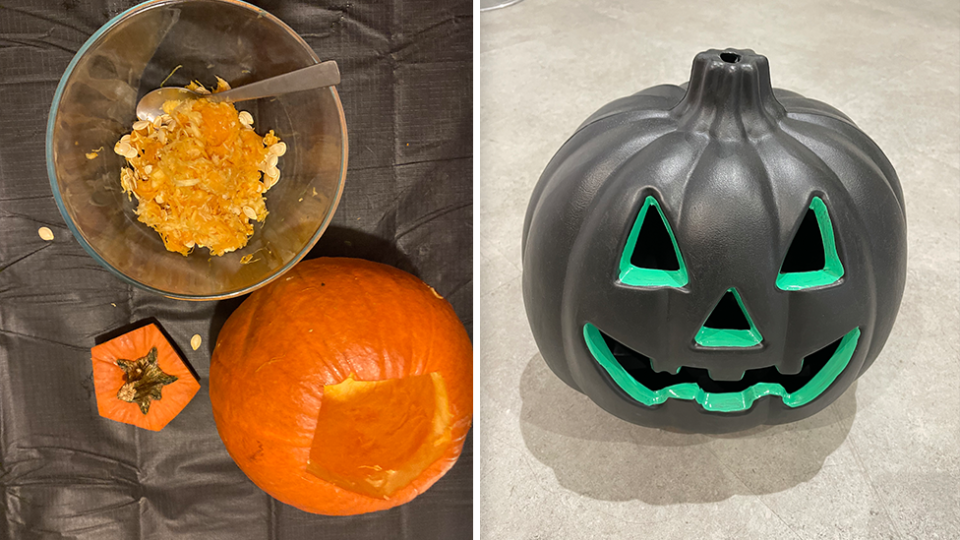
column 143, row 380
column 729, row 95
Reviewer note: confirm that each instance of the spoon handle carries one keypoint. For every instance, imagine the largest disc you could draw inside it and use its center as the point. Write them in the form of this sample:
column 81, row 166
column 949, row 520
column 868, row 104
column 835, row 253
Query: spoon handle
column 315, row 76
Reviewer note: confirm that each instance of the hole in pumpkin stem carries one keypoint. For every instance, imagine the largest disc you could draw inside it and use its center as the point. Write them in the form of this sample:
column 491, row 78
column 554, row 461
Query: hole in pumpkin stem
column 729, row 57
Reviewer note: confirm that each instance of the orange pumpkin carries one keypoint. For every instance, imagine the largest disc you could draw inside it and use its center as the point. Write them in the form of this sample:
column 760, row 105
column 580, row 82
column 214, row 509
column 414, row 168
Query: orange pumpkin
column 140, row 380
column 344, row 387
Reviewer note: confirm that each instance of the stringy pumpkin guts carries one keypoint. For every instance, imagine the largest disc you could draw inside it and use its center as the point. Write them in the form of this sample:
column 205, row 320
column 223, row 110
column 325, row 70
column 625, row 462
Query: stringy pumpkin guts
column 196, row 173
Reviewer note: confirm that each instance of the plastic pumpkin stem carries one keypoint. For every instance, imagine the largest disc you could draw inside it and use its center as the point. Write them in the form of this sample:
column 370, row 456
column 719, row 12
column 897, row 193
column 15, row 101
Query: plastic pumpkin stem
column 730, row 95
column 143, row 380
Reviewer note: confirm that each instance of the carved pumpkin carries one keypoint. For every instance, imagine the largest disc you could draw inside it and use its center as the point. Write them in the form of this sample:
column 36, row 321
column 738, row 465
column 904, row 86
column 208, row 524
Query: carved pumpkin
column 343, row 387
column 714, row 256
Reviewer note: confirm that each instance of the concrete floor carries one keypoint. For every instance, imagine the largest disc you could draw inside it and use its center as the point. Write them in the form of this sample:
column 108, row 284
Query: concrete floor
column 881, row 462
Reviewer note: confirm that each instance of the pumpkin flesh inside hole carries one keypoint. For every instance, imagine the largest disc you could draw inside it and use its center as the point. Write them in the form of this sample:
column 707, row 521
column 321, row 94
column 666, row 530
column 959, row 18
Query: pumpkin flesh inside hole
column 375, row 437
column 633, row 372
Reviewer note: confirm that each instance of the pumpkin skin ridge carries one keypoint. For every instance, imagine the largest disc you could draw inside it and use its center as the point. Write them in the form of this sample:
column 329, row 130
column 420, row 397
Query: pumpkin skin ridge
column 555, row 162
column 891, row 181
column 845, row 173
column 441, row 359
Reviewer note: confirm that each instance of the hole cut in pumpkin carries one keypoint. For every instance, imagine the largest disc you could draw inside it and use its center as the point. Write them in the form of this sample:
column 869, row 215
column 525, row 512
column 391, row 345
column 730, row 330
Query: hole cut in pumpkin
column 729, row 325
column 806, row 250
column 651, row 257
column 812, row 259
column 375, row 437
column 633, row 372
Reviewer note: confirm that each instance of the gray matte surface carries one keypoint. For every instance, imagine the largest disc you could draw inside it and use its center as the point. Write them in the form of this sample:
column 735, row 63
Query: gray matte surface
column 881, row 462
column 67, row 473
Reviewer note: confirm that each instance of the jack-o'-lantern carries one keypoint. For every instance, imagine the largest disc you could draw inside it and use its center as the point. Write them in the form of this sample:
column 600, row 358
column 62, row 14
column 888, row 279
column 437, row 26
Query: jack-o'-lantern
column 714, row 256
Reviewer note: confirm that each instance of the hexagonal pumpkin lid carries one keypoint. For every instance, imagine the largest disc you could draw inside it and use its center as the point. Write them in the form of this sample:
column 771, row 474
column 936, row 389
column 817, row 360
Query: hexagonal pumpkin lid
column 140, row 379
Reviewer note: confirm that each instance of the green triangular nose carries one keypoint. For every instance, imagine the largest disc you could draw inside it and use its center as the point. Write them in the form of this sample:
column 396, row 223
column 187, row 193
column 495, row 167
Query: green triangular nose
column 729, row 325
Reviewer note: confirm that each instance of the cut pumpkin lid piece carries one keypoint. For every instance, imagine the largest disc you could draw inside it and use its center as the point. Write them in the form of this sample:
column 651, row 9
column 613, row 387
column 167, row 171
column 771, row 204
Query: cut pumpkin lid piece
column 140, row 379
column 376, row 437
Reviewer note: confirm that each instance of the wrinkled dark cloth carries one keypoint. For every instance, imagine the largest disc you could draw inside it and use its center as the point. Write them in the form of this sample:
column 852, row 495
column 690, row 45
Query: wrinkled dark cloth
column 67, row 473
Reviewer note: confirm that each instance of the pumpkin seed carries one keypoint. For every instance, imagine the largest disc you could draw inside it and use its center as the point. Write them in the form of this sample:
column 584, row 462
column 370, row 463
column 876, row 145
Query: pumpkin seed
column 250, row 212
column 141, row 124
column 195, row 341
column 246, row 118
column 45, row 233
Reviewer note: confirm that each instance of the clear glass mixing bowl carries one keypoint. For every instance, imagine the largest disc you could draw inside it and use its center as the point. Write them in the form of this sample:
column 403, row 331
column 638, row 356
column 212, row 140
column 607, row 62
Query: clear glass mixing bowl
column 95, row 105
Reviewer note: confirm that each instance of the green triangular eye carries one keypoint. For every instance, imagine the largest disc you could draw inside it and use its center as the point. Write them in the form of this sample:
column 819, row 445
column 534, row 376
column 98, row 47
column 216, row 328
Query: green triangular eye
column 651, row 257
column 729, row 325
column 812, row 259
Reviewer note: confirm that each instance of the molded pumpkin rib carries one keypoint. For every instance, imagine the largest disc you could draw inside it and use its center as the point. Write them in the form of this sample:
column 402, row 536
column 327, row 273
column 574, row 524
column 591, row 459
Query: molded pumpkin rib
column 796, row 104
column 652, row 103
column 851, row 142
column 611, row 141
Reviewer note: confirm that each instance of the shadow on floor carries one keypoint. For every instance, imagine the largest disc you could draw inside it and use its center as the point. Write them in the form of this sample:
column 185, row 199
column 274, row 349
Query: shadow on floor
column 600, row 456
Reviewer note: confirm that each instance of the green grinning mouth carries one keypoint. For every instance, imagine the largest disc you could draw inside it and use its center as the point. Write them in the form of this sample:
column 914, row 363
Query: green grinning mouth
column 628, row 368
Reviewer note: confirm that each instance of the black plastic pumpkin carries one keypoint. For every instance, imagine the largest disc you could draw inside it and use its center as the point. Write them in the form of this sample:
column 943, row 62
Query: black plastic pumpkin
column 714, row 256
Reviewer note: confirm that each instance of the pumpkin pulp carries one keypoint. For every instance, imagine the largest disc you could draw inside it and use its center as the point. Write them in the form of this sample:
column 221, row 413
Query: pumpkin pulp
column 375, row 437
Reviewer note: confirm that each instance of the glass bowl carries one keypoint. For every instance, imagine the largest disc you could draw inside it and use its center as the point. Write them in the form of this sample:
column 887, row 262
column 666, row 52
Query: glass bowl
column 95, row 104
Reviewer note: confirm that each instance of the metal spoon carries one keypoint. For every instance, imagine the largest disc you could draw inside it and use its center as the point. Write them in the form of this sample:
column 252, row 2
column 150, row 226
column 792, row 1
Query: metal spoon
column 315, row 76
